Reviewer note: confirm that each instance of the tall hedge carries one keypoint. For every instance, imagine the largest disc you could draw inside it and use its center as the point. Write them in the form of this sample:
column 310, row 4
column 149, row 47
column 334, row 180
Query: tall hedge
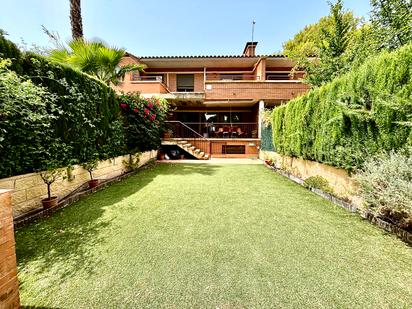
column 8, row 50
column 84, row 120
column 364, row 112
column 90, row 121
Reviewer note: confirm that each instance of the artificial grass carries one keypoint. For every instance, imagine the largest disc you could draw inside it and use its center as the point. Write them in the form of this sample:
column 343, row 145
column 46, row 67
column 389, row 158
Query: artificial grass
column 210, row 236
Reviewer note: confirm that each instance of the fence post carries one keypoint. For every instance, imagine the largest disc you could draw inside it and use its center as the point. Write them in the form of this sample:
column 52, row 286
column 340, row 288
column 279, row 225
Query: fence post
column 9, row 285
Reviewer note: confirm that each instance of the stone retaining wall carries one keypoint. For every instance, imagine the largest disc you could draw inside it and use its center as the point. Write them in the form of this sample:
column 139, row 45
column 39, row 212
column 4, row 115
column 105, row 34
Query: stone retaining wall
column 29, row 189
column 338, row 178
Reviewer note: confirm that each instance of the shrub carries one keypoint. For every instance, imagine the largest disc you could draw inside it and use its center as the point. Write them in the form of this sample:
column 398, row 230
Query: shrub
column 318, row 182
column 90, row 121
column 9, row 50
column 54, row 113
column 385, row 184
column 354, row 116
column 27, row 116
column 143, row 120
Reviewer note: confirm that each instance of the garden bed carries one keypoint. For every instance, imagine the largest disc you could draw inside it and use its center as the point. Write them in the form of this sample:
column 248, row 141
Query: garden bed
column 371, row 217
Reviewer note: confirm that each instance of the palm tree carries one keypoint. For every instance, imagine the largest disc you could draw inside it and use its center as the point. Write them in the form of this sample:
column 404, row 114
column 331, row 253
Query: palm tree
column 94, row 58
column 76, row 19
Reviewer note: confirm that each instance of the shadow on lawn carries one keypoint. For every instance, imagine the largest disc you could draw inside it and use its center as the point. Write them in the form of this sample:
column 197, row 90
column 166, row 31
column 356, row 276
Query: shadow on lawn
column 186, row 169
column 37, row 307
column 64, row 244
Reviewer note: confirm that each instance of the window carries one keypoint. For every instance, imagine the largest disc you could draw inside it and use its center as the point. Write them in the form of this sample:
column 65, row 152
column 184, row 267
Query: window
column 185, row 82
column 233, row 149
column 277, row 76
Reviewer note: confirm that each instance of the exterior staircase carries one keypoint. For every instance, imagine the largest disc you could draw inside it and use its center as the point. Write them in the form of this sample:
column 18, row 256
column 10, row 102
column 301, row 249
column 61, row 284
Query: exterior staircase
column 188, row 140
column 196, row 152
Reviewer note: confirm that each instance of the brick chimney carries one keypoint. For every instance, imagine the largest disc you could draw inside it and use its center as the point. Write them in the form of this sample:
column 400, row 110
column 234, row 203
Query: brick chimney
column 249, row 50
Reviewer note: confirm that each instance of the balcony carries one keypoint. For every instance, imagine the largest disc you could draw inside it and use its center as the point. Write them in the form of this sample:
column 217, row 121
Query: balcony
column 230, row 77
column 148, row 85
column 219, row 87
column 249, row 87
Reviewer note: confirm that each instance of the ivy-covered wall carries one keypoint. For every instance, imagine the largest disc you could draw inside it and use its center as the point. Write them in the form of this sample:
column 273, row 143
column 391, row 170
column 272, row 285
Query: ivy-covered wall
column 53, row 116
column 362, row 113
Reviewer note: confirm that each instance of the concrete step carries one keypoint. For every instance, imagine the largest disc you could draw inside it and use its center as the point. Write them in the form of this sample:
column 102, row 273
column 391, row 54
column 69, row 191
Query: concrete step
column 182, row 142
column 187, row 145
column 193, row 147
column 197, row 150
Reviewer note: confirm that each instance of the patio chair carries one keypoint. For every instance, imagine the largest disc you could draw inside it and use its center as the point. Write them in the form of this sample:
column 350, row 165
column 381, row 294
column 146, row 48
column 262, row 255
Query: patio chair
column 240, row 133
column 233, row 131
column 226, row 132
column 219, row 133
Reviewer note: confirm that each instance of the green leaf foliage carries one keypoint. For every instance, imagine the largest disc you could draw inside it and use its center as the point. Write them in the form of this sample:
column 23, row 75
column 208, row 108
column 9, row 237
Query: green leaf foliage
column 143, row 121
column 9, row 50
column 52, row 115
column 94, row 58
column 392, row 21
column 385, row 185
column 365, row 111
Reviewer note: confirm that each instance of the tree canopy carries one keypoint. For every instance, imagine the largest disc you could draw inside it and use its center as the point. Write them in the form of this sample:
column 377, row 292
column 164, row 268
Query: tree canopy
column 340, row 41
column 94, row 58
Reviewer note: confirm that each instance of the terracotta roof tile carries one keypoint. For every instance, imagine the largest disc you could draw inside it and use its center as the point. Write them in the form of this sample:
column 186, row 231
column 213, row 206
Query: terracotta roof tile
column 206, row 56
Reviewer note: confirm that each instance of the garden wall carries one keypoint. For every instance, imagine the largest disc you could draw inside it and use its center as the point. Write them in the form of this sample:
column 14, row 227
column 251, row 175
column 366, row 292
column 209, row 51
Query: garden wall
column 29, row 189
column 9, row 285
column 338, row 178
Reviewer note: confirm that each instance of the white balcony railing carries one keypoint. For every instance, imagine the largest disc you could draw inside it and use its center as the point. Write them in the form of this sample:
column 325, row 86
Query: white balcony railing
column 148, row 78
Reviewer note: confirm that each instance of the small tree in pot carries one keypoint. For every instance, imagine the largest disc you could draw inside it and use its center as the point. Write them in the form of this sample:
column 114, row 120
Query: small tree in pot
column 90, row 166
column 49, row 177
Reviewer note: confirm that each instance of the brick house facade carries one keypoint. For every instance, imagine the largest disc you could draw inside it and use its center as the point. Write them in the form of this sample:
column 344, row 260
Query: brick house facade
column 217, row 97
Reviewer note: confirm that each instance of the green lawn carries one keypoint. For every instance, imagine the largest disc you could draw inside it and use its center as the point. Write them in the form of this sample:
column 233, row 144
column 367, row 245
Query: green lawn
column 210, row 236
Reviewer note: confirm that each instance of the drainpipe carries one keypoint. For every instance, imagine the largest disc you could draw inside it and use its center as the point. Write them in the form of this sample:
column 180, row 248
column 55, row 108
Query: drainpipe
column 204, row 78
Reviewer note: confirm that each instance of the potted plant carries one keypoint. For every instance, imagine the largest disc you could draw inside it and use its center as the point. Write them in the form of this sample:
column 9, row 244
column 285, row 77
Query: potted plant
column 161, row 155
column 49, row 177
column 90, row 166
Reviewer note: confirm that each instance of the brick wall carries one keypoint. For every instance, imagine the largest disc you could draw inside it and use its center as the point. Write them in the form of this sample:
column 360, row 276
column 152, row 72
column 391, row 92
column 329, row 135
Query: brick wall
column 199, row 82
column 255, row 90
column 251, row 148
column 260, row 70
column 172, row 82
column 142, row 87
column 29, row 189
column 9, row 286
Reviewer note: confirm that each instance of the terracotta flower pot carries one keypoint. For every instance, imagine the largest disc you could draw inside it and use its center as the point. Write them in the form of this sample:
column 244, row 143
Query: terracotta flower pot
column 93, row 183
column 50, row 202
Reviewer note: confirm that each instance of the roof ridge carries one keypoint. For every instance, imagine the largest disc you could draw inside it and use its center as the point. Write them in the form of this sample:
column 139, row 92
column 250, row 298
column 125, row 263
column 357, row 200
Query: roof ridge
column 209, row 56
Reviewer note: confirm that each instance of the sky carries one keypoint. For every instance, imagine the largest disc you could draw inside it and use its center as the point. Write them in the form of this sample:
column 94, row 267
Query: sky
column 174, row 27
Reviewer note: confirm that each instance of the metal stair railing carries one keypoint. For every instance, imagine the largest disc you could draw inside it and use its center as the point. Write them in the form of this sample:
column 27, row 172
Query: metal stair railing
column 181, row 130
